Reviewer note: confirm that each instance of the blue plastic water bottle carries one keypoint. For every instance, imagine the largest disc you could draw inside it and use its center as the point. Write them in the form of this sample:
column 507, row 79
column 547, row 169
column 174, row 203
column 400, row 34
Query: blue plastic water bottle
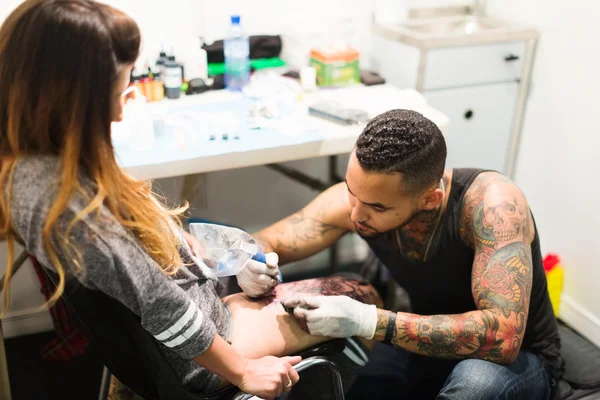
column 237, row 56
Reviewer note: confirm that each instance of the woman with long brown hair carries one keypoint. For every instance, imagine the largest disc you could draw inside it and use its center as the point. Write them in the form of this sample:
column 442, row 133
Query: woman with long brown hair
column 63, row 67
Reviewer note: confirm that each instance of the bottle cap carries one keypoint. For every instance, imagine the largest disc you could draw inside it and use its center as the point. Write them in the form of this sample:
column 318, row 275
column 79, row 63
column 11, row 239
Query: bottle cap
column 235, row 19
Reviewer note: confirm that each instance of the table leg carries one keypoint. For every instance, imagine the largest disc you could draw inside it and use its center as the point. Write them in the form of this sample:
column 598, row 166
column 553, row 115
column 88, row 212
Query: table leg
column 192, row 189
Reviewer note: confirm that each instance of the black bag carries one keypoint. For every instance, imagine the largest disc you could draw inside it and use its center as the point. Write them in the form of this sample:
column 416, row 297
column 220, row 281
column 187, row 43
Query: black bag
column 261, row 46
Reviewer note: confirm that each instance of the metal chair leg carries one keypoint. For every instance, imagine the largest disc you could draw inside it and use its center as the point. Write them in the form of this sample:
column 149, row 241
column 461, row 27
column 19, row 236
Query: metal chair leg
column 4, row 381
column 104, row 384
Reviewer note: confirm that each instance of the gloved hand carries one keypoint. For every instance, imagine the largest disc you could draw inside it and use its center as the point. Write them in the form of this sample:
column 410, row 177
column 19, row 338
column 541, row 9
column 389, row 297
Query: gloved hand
column 258, row 279
column 335, row 316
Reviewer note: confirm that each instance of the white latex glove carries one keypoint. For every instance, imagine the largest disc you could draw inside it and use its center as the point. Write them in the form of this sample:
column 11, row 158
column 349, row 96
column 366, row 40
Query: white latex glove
column 335, row 316
column 258, row 279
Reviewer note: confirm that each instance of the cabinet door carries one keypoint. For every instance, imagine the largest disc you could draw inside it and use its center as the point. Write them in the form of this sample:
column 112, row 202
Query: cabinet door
column 481, row 120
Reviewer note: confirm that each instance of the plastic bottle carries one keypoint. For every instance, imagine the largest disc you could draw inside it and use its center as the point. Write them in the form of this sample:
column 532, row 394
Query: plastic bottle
column 146, row 89
column 162, row 59
column 172, row 78
column 158, row 89
column 237, row 56
column 227, row 249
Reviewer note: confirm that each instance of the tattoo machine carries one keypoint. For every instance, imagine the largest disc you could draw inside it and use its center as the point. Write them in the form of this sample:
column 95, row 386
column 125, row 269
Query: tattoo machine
column 227, row 250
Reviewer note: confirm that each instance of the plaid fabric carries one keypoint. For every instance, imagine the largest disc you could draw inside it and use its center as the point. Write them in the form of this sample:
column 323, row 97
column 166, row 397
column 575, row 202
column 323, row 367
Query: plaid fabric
column 71, row 341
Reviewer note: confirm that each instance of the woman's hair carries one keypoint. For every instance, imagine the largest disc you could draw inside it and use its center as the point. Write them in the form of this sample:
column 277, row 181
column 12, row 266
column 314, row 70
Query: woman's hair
column 59, row 61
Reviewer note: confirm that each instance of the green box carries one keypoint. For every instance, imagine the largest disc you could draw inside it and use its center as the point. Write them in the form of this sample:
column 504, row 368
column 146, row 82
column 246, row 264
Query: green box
column 336, row 73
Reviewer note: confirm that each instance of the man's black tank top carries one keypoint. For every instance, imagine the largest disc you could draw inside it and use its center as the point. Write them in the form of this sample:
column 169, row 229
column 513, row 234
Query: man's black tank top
column 442, row 284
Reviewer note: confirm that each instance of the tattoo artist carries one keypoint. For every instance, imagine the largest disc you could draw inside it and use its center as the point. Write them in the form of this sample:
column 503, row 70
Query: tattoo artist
column 464, row 245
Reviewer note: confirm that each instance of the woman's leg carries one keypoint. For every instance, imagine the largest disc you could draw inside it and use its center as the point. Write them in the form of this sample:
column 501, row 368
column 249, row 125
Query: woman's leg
column 261, row 328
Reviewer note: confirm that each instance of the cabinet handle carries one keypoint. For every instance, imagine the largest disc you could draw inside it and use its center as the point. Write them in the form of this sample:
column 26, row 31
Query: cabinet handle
column 511, row 57
column 469, row 114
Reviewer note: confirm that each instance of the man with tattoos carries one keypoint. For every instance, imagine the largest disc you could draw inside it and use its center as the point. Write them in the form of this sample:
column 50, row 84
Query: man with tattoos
column 464, row 245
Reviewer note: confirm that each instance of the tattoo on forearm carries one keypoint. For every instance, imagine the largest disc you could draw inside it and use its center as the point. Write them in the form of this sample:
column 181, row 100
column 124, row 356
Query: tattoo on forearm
column 263, row 241
column 383, row 319
column 300, row 228
column 470, row 335
column 451, row 336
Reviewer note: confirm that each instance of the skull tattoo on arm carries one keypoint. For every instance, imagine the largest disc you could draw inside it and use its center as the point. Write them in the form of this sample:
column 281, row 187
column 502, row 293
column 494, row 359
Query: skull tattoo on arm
column 505, row 213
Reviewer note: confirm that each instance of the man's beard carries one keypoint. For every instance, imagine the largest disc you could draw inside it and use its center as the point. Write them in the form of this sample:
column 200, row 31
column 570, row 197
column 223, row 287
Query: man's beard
column 373, row 233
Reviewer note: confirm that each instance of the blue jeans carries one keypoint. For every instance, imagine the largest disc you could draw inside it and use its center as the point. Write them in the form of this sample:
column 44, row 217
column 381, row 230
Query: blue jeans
column 394, row 373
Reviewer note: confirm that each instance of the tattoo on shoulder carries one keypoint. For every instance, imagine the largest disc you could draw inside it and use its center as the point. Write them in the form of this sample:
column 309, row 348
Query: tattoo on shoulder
column 495, row 212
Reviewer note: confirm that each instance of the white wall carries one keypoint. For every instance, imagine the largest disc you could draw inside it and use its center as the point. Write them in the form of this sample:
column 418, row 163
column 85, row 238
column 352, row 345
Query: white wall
column 176, row 24
column 558, row 163
column 6, row 6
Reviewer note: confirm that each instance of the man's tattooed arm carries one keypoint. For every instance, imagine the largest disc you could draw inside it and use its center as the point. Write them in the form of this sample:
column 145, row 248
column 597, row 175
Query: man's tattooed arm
column 310, row 230
column 501, row 229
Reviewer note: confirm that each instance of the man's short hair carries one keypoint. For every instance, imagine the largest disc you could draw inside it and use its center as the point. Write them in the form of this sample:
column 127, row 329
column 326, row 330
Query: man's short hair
column 405, row 142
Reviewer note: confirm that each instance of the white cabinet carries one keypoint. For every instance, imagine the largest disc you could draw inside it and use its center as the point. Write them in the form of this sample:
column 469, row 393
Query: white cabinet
column 481, row 88
column 480, row 123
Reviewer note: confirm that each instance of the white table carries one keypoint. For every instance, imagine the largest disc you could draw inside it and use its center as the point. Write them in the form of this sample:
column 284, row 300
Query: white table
column 335, row 139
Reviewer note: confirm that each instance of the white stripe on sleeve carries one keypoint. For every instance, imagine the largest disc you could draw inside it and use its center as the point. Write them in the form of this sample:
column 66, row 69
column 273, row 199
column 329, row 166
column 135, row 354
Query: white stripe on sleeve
column 177, row 326
column 188, row 332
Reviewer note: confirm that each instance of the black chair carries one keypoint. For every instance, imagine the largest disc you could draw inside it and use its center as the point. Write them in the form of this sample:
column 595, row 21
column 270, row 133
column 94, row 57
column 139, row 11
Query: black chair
column 132, row 355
